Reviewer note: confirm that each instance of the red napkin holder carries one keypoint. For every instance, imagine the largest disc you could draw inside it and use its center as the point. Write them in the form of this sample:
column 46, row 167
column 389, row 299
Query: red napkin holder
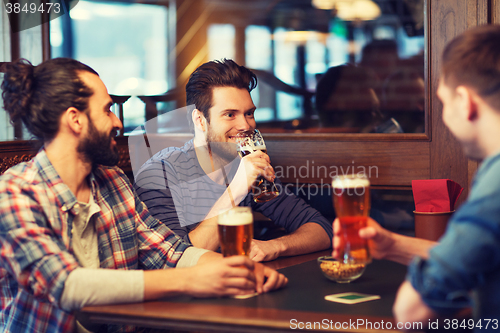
column 434, row 204
column 435, row 195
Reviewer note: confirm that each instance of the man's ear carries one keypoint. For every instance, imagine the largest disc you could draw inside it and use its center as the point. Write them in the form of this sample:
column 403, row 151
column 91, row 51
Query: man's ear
column 74, row 120
column 468, row 102
column 199, row 120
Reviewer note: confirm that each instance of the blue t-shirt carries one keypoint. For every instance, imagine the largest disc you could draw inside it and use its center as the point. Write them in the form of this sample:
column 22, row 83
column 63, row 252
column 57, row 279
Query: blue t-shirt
column 179, row 193
column 464, row 268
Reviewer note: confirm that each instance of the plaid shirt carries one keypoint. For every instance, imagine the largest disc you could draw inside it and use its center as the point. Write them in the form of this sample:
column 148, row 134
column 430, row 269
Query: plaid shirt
column 36, row 214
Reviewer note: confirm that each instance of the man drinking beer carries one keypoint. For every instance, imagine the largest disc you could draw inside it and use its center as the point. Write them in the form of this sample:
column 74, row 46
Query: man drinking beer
column 187, row 187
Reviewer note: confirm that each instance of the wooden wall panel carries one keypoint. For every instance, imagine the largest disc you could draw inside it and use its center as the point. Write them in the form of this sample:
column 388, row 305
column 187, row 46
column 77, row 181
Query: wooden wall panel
column 14, row 152
column 449, row 18
column 495, row 12
column 391, row 164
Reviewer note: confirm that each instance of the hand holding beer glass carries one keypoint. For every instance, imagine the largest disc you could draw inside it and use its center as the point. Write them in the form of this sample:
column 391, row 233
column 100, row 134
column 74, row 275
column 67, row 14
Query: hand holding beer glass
column 235, row 228
column 351, row 198
column 247, row 143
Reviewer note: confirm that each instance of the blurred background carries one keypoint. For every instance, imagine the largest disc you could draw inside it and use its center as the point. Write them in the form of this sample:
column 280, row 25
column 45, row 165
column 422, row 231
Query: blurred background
column 324, row 66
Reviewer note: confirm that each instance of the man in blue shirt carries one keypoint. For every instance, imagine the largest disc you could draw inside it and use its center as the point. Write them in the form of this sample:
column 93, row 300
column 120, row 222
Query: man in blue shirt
column 187, row 187
column 463, row 269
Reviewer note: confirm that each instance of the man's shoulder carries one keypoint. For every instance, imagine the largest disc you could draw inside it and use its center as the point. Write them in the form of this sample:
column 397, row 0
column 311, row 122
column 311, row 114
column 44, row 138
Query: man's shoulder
column 173, row 157
column 20, row 176
column 110, row 174
column 487, row 181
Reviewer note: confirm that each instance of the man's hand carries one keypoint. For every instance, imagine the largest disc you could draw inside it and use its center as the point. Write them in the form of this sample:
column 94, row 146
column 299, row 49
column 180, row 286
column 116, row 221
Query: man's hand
column 221, row 277
column 264, row 250
column 409, row 306
column 268, row 279
column 380, row 240
column 237, row 275
column 252, row 166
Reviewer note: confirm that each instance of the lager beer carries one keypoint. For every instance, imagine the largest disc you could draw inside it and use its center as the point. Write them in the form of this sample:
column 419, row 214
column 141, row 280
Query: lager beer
column 244, row 151
column 351, row 198
column 247, row 143
column 235, row 228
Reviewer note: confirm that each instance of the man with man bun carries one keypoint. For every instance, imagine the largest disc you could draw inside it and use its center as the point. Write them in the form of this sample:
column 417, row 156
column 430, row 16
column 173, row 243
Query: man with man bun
column 187, row 187
column 72, row 230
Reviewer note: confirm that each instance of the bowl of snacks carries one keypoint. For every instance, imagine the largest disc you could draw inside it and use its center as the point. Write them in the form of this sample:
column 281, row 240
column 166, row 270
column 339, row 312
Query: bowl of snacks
column 338, row 271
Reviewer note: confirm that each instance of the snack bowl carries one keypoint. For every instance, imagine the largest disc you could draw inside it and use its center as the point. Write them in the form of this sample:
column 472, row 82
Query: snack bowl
column 338, row 271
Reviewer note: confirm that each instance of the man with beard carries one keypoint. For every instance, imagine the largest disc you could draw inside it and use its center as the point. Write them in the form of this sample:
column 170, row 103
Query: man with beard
column 463, row 268
column 72, row 230
column 187, row 187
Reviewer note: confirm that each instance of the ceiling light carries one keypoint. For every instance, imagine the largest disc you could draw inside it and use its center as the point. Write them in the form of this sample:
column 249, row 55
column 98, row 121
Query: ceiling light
column 351, row 10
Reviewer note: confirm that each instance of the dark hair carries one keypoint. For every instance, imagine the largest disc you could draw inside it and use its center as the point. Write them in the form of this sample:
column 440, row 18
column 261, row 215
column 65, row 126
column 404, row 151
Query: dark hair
column 38, row 95
column 473, row 59
column 225, row 73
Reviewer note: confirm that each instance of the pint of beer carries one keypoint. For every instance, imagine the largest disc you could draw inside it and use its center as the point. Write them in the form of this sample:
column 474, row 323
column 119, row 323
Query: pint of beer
column 351, row 198
column 247, row 143
column 235, row 228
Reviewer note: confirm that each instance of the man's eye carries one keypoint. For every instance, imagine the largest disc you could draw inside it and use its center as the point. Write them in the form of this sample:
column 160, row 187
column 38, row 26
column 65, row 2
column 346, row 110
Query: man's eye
column 250, row 114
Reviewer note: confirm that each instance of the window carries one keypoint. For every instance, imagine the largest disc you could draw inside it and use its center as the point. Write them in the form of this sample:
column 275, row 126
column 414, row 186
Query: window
column 380, row 76
column 126, row 43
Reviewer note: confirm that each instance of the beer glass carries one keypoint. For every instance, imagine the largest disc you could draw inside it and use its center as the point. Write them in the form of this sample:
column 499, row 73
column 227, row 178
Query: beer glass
column 247, row 143
column 235, row 228
column 351, row 198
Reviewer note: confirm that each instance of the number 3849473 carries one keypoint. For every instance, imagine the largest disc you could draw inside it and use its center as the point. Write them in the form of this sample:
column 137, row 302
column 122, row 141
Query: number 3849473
column 33, row 7
column 480, row 324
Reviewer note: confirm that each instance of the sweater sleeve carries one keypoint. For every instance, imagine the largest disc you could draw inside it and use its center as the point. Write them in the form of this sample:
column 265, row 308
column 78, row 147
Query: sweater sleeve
column 154, row 186
column 289, row 211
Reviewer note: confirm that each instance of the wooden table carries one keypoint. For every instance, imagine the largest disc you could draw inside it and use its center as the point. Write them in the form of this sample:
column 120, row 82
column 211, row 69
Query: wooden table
column 300, row 305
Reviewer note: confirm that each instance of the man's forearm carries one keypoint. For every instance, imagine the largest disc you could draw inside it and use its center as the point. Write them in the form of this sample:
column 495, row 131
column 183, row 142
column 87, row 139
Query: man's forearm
column 205, row 235
column 310, row 237
column 85, row 286
column 405, row 248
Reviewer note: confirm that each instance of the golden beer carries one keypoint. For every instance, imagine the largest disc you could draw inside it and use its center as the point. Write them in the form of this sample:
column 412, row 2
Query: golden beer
column 262, row 190
column 247, row 143
column 351, row 199
column 244, row 151
column 235, row 228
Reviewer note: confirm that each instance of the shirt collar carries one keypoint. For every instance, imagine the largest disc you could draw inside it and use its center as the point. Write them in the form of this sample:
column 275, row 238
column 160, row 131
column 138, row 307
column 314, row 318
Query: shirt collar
column 66, row 199
column 486, row 164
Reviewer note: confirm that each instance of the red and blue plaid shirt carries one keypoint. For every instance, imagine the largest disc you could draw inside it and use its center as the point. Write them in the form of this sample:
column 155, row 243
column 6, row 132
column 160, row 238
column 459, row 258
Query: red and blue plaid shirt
column 36, row 214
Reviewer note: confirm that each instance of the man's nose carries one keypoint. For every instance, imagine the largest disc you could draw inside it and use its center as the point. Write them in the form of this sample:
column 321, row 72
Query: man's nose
column 116, row 122
column 243, row 124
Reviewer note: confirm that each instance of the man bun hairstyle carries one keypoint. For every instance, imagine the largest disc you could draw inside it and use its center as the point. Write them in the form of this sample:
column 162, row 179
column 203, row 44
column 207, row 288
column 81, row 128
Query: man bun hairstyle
column 38, row 95
column 214, row 74
column 472, row 59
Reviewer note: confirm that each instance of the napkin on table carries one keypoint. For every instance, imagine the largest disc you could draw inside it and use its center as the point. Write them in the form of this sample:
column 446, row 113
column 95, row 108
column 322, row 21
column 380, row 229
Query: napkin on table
column 435, row 195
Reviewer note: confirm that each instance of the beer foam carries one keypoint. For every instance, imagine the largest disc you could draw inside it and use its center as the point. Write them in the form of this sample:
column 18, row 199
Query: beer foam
column 252, row 148
column 350, row 182
column 234, row 218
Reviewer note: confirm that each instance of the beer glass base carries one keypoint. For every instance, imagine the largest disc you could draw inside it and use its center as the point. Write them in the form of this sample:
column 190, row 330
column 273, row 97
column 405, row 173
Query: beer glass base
column 265, row 196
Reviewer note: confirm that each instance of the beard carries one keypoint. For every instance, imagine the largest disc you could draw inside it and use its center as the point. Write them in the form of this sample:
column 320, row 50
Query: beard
column 96, row 147
column 219, row 147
